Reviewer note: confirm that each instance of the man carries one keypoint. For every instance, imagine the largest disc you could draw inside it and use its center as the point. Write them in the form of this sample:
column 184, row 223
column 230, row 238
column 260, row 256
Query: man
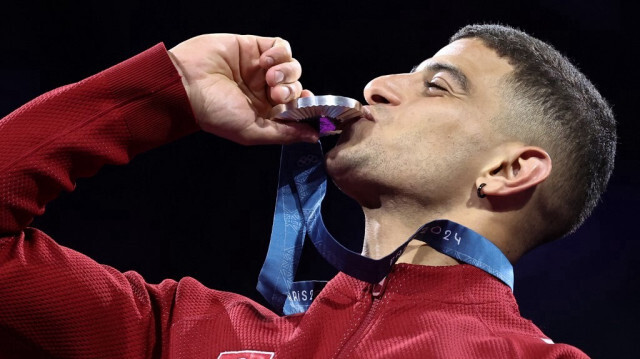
column 469, row 136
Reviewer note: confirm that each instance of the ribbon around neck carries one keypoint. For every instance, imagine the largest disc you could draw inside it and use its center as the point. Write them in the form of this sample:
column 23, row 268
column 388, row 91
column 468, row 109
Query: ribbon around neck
column 301, row 188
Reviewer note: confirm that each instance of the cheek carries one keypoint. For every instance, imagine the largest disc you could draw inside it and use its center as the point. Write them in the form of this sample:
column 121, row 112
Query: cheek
column 432, row 130
column 440, row 139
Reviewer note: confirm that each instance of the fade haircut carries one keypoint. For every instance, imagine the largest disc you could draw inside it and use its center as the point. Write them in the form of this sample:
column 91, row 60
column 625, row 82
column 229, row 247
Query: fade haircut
column 551, row 104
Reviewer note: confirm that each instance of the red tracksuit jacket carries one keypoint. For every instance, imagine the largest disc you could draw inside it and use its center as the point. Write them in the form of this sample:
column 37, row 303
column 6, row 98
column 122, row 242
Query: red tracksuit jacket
column 55, row 302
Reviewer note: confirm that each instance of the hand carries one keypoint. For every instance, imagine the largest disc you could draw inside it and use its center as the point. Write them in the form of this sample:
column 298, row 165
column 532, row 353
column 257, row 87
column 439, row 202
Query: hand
column 233, row 82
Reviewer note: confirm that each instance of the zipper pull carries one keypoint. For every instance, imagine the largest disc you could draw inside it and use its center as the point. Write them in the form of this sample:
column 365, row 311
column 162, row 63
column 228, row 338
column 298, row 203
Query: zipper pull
column 378, row 289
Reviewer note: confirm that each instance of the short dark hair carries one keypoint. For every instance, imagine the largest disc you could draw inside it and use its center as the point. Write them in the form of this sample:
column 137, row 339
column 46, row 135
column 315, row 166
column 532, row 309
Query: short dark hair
column 551, row 104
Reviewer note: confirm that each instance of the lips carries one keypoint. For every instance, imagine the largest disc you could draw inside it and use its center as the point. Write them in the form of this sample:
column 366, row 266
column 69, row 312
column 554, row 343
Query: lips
column 366, row 115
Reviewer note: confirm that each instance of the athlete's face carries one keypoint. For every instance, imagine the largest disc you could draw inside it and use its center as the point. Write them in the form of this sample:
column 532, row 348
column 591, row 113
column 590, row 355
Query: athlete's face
column 426, row 131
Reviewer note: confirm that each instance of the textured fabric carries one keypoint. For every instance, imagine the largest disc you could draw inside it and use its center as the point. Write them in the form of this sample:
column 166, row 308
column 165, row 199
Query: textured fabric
column 55, row 302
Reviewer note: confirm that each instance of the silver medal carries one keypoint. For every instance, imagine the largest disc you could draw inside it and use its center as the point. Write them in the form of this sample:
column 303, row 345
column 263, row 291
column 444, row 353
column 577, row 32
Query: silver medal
column 326, row 113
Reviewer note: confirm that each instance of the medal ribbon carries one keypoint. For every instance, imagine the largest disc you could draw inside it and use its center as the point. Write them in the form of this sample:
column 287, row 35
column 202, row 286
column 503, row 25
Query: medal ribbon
column 301, row 187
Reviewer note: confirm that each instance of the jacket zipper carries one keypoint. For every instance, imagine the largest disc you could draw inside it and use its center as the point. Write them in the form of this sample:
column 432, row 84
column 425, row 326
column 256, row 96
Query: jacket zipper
column 377, row 290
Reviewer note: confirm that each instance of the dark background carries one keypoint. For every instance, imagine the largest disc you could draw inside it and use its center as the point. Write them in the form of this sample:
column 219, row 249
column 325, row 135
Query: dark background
column 202, row 206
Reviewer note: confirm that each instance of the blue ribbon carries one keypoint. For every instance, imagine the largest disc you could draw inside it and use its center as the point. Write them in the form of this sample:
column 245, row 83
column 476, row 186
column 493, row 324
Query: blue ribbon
column 301, row 188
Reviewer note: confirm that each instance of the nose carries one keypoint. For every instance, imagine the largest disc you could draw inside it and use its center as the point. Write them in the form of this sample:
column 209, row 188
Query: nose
column 386, row 89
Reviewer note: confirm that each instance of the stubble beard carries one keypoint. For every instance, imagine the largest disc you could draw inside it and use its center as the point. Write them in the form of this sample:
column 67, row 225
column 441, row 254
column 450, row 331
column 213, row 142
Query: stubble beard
column 358, row 170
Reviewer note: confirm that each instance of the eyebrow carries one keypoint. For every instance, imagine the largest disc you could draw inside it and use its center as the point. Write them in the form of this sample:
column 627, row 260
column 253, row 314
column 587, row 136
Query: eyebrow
column 455, row 72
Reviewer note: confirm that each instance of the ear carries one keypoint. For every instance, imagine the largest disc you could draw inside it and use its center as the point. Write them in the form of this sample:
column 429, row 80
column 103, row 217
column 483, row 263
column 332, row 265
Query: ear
column 517, row 169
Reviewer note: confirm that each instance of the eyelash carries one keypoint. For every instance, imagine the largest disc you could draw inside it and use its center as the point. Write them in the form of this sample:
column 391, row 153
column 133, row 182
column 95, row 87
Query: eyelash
column 432, row 84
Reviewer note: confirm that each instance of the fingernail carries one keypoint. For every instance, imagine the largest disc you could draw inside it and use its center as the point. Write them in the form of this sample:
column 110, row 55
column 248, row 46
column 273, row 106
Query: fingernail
column 279, row 76
column 269, row 60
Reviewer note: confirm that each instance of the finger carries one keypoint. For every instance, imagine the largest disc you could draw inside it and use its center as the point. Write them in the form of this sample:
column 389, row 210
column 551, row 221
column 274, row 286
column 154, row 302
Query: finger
column 277, row 52
column 287, row 72
column 306, row 93
column 285, row 92
column 267, row 131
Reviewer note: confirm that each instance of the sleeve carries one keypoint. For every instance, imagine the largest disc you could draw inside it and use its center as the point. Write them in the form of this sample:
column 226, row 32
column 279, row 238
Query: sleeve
column 55, row 302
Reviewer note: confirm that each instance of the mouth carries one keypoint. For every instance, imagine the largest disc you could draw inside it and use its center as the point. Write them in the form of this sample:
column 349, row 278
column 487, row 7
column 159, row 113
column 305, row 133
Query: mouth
column 366, row 111
column 348, row 129
column 365, row 114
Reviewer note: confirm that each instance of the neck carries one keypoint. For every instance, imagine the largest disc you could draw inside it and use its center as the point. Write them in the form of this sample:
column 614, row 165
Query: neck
column 388, row 226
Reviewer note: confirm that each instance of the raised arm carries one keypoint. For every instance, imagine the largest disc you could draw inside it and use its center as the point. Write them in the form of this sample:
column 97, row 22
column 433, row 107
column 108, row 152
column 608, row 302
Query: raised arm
column 231, row 82
column 57, row 302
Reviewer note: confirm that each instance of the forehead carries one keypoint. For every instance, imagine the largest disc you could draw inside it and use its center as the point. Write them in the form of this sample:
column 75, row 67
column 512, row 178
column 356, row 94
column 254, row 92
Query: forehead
column 480, row 64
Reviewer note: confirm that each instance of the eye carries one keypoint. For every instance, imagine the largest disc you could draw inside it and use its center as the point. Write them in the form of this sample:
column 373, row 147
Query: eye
column 433, row 85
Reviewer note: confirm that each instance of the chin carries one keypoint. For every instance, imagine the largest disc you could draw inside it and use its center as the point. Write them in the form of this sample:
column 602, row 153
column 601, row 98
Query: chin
column 334, row 157
column 335, row 165
column 345, row 171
